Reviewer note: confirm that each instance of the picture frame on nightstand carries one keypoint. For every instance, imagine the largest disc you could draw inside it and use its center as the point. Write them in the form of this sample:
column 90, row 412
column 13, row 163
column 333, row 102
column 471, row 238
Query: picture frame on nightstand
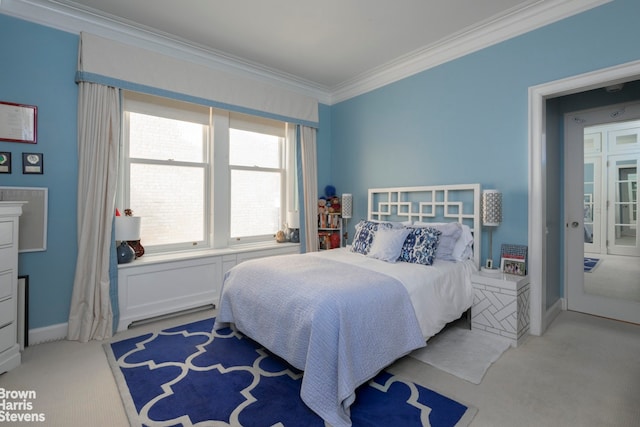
column 513, row 259
column 514, row 266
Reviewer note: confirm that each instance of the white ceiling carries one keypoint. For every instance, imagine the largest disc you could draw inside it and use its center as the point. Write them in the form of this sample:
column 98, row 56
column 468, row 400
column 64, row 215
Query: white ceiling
column 326, row 45
column 326, row 42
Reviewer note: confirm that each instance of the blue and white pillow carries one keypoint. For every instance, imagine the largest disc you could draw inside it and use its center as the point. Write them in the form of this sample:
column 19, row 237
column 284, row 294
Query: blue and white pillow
column 420, row 246
column 363, row 237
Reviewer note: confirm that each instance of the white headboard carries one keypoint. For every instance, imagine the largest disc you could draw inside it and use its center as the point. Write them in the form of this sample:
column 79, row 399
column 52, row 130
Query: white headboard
column 438, row 203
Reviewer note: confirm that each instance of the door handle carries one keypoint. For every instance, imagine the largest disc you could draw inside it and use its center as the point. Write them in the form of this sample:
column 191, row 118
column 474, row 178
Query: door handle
column 575, row 224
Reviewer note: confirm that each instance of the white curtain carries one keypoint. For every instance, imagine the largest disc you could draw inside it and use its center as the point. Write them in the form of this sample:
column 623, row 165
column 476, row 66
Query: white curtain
column 310, row 186
column 91, row 315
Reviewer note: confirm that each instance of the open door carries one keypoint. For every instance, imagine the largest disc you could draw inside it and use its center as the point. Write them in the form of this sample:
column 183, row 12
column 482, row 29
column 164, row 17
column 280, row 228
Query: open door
column 602, row 151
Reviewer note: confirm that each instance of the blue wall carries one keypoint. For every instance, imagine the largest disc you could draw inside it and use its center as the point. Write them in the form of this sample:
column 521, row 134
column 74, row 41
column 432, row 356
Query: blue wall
column 38, row 68
column 464, row 121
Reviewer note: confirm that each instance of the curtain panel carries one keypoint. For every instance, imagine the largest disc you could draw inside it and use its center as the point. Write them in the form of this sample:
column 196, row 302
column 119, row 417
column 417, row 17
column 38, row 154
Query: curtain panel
column 129, row 67
column 310, row 186
column 91, row 315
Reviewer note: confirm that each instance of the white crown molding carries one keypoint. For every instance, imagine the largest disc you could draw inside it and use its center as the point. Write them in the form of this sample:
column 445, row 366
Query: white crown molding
column 511, row 24
column 74, row 20
column 518, row 21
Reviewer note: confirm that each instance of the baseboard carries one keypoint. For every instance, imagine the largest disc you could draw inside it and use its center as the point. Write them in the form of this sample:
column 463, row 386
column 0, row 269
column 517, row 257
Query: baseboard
column 48, row 333
column 552, row 312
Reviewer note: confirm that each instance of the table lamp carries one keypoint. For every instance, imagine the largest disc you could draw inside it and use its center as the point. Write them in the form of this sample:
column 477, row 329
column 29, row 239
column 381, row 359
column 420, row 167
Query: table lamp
column 491, row 217
column 127, row 230
column 347, row 212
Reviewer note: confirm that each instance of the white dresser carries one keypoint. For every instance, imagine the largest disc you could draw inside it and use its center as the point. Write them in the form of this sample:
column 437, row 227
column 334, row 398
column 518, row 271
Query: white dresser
column 9, row 347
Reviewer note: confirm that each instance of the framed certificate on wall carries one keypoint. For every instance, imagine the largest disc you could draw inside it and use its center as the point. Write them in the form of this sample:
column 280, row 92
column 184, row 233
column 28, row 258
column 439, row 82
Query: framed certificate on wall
column 18, row 123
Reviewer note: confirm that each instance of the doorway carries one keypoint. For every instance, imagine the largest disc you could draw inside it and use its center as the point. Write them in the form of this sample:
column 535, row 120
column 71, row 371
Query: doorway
column 546, row 295
column 602, row 251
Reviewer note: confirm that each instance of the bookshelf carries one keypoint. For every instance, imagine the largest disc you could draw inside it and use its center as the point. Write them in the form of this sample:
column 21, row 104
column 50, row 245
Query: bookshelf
column 329, row 231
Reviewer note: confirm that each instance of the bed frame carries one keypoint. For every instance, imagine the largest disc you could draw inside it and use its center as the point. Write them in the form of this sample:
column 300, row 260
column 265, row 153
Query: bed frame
column 439, row 203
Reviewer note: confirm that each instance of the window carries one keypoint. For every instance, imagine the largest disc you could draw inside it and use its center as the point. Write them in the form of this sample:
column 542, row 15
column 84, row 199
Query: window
column 257, row 165
column 187, row 197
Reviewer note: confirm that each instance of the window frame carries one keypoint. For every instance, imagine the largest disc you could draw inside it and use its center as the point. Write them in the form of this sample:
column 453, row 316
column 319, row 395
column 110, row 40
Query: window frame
column 244, row 122
column 216, row 164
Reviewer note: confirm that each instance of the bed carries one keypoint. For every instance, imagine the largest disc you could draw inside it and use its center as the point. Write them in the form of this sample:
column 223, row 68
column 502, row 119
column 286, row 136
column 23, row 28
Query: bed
column 343, row 315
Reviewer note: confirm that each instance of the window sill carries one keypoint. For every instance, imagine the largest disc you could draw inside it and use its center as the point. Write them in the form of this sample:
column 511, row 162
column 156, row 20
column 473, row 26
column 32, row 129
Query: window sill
column 151, row 259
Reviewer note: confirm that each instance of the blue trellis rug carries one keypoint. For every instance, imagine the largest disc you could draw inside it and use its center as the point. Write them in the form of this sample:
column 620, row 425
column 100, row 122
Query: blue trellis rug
column 590, row 264
column 189, row 374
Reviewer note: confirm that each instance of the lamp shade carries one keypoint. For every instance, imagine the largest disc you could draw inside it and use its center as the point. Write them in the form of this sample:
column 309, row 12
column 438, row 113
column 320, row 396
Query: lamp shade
column 127, row 228
column 347, row 205
column 491, row 208
column 293, row 219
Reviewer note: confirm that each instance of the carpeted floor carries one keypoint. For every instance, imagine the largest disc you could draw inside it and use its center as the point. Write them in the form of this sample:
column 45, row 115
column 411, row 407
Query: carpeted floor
column 187, row 374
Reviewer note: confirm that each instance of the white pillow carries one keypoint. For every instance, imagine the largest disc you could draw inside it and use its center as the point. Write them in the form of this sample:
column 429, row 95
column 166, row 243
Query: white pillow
column 387, row 243
column 394, row 224
column 463, row 248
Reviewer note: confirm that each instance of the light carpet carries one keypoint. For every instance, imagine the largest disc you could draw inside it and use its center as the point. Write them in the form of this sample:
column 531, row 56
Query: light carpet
column 465, row 353
column 190, row 375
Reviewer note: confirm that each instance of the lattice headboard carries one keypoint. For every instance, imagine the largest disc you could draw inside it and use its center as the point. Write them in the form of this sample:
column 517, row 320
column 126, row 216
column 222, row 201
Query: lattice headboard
column 439, row 203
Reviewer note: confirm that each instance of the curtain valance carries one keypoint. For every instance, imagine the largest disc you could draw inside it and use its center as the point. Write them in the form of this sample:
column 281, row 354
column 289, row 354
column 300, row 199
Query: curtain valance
column 129, row 67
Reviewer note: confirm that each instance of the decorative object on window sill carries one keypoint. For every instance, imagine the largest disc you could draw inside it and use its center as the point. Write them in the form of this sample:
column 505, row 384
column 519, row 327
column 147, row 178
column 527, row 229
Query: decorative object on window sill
column 125, row 253
column 491, row 217
column 281, row 237
column 137, row 247
column 128, row 232
column 347, row 212
column 293, row 222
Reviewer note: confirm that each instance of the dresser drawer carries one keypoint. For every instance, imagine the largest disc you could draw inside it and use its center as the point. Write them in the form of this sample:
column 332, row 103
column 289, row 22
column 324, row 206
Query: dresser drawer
column 6, row 233
column 8, row 337
column 6, row 283
column 7, row 311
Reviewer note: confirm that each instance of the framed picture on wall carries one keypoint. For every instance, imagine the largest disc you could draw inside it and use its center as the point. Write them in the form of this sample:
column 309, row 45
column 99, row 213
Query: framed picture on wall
column 18, row 123
column 32, row 163
column 5, row 162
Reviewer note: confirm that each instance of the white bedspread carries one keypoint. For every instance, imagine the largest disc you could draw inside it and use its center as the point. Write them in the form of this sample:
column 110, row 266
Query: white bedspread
column 339, row 323
column 340, row 316
column 440, row 293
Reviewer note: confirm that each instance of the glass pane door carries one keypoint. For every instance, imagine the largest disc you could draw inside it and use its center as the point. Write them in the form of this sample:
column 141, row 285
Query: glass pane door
column 592, row 205
column 623, row 209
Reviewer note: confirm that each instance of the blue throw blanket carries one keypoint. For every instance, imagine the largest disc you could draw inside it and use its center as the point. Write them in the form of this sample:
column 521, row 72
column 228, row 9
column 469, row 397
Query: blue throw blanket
column 339, row 323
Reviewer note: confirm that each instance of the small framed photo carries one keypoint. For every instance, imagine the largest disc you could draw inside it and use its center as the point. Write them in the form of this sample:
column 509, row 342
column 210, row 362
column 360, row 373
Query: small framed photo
column 5, row 162
column 32, row 163
column 18, row 123
column 513, row 266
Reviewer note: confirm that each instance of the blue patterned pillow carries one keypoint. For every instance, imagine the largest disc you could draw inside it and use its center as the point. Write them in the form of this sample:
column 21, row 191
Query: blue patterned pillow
column 365, row 232
column 420, row 246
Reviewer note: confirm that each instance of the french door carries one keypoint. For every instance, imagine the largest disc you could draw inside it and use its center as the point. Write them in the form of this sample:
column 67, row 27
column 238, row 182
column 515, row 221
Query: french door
column 623, row 205
column 601, row 204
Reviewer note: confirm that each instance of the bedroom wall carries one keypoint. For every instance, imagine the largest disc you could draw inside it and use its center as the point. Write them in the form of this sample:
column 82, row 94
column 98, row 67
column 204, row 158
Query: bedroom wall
column 467, row 120
column 38, row 68
column 464, row 121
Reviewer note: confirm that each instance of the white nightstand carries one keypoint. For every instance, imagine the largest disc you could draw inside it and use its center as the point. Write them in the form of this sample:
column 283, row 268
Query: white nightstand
column 501, row 305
